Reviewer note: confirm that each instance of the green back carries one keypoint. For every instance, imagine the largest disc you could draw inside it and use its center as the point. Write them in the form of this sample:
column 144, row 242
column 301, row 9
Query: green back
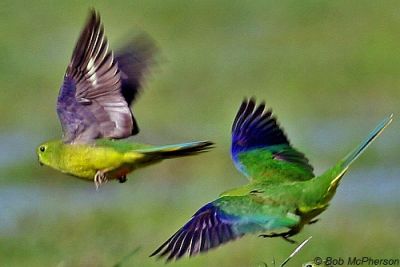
column 262, row 164
column 121, row 146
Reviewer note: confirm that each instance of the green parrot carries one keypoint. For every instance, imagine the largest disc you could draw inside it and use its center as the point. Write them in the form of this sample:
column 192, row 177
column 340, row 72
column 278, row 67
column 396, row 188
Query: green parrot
column 282, row 196
column 94, row 109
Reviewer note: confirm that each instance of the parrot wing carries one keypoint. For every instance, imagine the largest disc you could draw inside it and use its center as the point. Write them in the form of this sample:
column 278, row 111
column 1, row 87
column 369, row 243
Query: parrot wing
column 134, row 62
column 260, row 146
column 223, row 220
column 94, row 99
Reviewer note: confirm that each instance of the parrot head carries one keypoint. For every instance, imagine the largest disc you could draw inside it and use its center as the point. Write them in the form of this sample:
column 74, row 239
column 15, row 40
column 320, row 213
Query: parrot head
column 47, row 152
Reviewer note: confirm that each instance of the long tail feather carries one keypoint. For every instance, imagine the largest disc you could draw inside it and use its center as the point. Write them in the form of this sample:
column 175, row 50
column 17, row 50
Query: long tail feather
column 179, row 150
column 329, row 181
column 353, row 155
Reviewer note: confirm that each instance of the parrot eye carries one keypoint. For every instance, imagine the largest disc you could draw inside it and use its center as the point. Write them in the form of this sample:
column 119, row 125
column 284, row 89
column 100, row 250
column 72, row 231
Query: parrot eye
column 42, row 148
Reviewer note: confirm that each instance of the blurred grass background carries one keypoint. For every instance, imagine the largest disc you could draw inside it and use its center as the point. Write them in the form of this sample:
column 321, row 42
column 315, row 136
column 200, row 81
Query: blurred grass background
column 329, row 69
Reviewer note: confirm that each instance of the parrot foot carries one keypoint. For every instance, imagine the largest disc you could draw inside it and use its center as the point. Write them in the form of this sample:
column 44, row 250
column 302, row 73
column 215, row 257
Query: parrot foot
column 291, row 241
column 283, row 235
column 313, row 221
column 122, row 179
column 99, row 179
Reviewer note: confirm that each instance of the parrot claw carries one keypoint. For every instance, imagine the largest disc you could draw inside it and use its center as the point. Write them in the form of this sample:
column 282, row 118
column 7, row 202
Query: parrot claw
column 99, row 179
column 283, row 235
column 291, row 241
column 313, row 221
column 122, row 179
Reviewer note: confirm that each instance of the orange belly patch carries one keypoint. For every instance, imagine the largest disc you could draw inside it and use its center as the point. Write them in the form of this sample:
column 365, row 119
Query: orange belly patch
column 121, row 172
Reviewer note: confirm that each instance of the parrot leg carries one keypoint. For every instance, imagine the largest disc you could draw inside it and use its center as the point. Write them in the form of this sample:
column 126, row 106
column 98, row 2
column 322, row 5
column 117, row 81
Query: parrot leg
column 122, row 179
column 285, row 236
column 313, row 221
column 291, row 241
column 100, row 178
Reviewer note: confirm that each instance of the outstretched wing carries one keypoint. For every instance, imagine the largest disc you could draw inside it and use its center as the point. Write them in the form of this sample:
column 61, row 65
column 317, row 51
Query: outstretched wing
column 221, row 221
column 93, row 101
column 260, row 148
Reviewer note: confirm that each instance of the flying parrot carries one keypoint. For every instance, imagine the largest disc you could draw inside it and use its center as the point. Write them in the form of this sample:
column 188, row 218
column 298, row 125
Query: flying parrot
column 94, row 110
column 282, row 196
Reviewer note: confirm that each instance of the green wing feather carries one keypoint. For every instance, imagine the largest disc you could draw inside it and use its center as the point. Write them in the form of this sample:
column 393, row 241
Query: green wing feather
column 260, row 148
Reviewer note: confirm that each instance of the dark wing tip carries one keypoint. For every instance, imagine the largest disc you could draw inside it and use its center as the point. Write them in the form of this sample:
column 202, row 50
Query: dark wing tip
column 93, row 15
column 134, row 63
column 93, row 19
column 255, row 126
column 89, row 41
column 207, row 229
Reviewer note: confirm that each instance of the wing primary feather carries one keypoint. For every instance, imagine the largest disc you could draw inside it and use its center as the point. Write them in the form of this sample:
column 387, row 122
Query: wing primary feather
column 185, row 247
column 195, row 243
column 255, row 127
column 204, row 231
column 239, row 114
column 177, row 245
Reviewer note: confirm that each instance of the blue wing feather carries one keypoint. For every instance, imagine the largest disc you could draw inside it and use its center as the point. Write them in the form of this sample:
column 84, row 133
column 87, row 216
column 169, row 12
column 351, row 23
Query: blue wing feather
column 208, row 228
column 254, row 128
column 212, row 226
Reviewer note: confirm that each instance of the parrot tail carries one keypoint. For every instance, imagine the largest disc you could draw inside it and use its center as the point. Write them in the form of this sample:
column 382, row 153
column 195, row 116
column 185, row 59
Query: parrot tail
column 178, row 150
column 332, row 176
column 353, row 155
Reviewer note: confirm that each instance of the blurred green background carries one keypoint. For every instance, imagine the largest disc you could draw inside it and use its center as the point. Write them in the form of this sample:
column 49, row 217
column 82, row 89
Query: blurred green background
column 329, row 69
